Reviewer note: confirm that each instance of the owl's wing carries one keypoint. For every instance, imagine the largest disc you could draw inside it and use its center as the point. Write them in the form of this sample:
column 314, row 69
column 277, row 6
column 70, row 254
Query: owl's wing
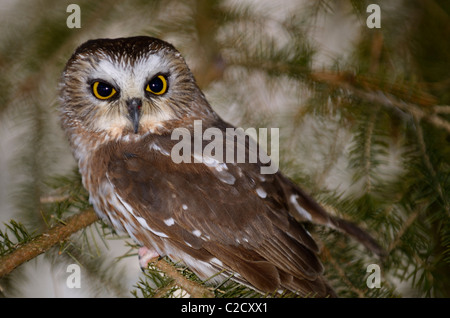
column 228, row 215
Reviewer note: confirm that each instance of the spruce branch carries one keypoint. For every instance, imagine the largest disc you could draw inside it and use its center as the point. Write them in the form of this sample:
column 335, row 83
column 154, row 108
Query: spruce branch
column 386, row 99
column 161, row 293
column 441, row 109
column 364, row 88
column 429, row 166
column 194, row 289
column 54, row 198
column 62, row 231
column 405, row 226
column 18, row 231
column 368, row 150
column 341, row 272
column 45, row 241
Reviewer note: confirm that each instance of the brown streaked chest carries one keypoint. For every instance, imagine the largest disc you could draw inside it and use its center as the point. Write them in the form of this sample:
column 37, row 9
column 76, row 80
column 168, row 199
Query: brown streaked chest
column 110, row 174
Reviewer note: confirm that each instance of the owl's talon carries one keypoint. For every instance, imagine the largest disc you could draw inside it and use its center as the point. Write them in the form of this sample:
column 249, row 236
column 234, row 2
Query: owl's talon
column 146, row 255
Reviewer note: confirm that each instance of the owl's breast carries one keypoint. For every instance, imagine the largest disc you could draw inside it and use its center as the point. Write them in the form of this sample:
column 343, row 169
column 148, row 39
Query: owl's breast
column 92, row 164
column 110, row 202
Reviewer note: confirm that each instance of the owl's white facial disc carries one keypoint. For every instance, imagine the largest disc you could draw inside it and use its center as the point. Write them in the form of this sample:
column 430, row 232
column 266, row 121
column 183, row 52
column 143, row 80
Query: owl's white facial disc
column 106, row 87
column 130, row 81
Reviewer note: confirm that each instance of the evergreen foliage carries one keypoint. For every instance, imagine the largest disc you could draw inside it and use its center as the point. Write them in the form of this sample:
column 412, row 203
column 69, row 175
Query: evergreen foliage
column 364, row 127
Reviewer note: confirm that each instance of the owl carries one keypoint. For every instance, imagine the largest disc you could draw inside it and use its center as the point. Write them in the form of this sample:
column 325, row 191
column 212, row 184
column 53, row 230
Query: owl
column 121, row 102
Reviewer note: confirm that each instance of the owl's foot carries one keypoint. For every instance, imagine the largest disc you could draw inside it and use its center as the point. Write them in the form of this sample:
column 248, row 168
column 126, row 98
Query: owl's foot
column 146, row 255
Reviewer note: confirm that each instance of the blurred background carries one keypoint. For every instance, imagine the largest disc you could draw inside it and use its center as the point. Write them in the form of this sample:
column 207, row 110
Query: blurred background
column 363, row 113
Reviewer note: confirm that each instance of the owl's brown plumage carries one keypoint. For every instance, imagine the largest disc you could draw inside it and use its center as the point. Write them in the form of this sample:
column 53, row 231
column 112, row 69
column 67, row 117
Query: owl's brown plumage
column 121, row 101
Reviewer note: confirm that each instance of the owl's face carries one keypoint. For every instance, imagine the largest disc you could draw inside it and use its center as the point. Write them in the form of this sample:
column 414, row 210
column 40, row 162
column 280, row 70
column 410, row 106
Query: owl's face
column 127, row 86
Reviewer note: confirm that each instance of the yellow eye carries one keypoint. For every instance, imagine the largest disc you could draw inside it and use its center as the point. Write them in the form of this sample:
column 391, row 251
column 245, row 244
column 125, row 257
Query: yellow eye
column 103, row 91
column 157, row 85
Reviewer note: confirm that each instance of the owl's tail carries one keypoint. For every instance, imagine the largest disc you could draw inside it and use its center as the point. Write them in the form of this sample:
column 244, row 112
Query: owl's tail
column 358, row 234
column 304, row 209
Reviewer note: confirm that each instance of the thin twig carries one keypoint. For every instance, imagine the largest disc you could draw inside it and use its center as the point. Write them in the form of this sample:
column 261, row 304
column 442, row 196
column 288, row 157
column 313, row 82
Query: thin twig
column 441, row 109
column 382, row 98
column 368, row 150
column 429, row 166
column 368, row 92
column 54, row 198
column 161, row 293
column 402, row 230
column 342, row 274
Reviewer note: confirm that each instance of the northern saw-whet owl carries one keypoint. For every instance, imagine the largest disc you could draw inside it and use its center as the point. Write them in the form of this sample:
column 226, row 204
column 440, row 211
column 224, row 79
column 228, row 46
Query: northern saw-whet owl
column 121, row 101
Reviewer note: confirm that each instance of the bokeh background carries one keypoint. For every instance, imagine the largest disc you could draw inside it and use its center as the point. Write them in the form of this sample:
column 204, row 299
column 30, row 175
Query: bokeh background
column 363, row 113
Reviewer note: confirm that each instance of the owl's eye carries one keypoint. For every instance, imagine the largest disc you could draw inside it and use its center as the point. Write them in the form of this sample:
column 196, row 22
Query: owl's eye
column 157, row 85
column 103, row 90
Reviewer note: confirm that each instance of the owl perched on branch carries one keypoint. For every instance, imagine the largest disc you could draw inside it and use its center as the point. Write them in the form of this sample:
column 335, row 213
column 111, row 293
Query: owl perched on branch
column 122, row 100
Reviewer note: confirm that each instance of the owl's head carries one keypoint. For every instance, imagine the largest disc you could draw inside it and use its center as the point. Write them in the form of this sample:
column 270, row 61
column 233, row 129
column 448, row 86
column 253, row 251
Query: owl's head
column 128, row 86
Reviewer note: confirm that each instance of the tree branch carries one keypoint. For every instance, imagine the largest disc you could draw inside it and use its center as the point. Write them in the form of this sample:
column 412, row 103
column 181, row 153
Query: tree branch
column 386, row 99
column 341, row 272
column 405, row 226
column 45, row 241
column 195, row 290
column 371, row 92
column 61, row 232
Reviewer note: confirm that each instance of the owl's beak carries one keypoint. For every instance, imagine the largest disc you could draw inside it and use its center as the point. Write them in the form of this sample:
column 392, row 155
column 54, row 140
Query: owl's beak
column 134, row 110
